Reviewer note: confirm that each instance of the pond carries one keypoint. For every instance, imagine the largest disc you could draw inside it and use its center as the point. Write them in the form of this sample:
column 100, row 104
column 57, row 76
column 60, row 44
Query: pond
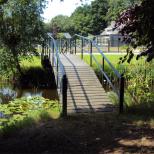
column 8, row 92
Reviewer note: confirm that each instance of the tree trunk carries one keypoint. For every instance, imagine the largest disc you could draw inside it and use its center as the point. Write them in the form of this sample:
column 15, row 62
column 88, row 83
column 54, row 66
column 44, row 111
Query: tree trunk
column 15, row 55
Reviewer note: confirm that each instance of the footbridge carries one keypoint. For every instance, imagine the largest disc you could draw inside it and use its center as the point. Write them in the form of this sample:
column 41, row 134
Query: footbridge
column 78, row 87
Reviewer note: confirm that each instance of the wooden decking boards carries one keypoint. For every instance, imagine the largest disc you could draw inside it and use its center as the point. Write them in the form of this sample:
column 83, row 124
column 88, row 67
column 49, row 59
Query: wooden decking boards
column 85, row 93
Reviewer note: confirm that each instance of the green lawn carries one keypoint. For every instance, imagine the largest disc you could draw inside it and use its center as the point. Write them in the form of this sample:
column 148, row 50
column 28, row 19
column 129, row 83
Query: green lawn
column 114, row 59
column 34, row 61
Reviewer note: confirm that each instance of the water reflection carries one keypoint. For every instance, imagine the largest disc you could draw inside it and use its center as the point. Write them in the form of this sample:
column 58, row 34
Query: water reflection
column 8, row 93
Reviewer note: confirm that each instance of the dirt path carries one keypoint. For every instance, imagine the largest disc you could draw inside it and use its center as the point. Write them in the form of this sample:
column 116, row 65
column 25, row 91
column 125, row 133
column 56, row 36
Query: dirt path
column 84, row 134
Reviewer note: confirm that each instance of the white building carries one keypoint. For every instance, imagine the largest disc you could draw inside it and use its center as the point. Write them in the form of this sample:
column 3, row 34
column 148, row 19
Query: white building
column 110, row 37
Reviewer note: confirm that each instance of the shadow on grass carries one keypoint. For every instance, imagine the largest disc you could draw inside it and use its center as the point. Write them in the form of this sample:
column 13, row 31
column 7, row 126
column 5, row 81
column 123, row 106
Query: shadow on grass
column 82, row 133
column 142, row 111
column 40, row 77
column 37, row 77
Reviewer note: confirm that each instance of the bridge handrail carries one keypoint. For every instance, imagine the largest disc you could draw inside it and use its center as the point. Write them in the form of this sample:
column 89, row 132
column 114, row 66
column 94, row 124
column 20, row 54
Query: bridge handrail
column 61, row 66
column 100, row 51
column 61, row 77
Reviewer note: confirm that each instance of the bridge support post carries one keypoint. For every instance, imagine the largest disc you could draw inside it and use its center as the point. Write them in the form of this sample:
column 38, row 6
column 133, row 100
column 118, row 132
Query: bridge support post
column 82, row 48
column 91, row 52
column 121, row 93
column 64, row 96
column 70, row 46
column 42, row 53
column 75, row 45
column 103, row 67
column 53, row 54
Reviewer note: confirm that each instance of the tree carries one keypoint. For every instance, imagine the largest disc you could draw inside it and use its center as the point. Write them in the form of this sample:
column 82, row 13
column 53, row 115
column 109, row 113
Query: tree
column 61, row 23
column 99, row 9
column 21, row 27
column 118, row 6
column 137, row 26
column 90, row 18
column 81, row 20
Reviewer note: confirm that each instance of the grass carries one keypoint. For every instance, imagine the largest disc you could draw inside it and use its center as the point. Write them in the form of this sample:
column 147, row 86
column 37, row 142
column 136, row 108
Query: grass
column 113, row 58
column 34, row 74
column 34, row 61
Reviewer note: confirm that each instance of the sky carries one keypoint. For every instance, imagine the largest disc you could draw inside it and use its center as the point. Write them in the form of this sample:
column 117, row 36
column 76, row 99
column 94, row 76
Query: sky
column 56, row 7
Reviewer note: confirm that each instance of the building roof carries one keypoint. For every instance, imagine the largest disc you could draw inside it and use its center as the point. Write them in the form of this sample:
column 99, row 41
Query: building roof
column 110, row 29
column 67, row 35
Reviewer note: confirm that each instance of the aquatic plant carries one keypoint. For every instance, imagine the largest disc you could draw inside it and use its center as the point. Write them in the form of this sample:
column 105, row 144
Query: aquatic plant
column 26, row 111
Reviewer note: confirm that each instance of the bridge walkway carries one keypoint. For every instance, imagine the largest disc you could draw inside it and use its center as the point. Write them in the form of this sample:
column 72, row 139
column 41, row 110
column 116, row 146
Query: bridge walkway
column 85, row 92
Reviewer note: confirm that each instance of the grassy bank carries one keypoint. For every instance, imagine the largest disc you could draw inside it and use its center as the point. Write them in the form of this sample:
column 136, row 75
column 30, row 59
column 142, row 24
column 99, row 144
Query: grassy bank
column 139, row 77
column 23, row 112
column 35, row 75
column 34, row 61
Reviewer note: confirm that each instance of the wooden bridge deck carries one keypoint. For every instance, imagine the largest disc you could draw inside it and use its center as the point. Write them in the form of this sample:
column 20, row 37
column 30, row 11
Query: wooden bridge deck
column 85, row 92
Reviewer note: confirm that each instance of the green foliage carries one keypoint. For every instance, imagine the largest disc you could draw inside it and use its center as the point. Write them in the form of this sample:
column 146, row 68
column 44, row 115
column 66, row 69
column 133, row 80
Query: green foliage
column 59, row 23
column 7, row 64
column 99, row 9
column 27, row 111
column 90, row 18
column 3, row 1
column 141, row 82
column 116, row 7
column 21, row 27
column 113, row 97
column 81, row 20
column 26, row 62
column 136, row 25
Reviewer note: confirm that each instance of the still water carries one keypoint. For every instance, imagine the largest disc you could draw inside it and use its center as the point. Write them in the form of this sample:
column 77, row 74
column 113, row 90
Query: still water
column 8, row 92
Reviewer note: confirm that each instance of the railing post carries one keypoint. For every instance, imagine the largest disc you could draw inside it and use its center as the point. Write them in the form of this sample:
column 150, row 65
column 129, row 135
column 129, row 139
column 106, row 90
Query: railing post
column 82, row 48
column 70, row 41
column 53, row 54
column 108, row 45
column 75, row 45
column 91, row 63
column 64, row 96
column 49, row 48
column 61, row 42
column 66, row 46
column 121, row 93
column 103, row 67
column 57, row 71
column 42, row 54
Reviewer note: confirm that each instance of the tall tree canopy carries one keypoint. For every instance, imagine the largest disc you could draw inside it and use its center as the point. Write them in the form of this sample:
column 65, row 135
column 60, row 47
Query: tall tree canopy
column 81, row 20
column 99, row 9
column 21, row 27
column 60, row 23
